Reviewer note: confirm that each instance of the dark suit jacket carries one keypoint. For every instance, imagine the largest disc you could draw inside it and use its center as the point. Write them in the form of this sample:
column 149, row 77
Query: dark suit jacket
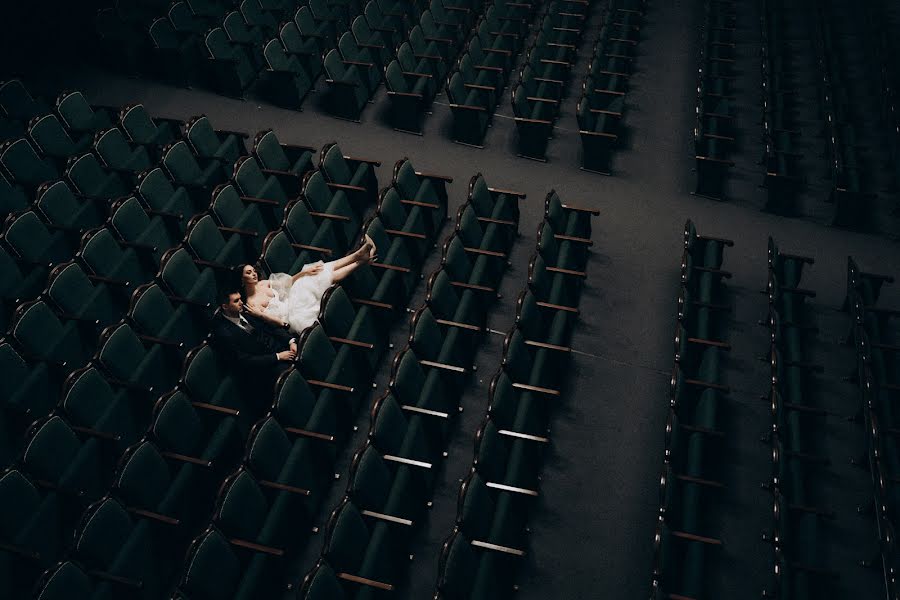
column 255, row 350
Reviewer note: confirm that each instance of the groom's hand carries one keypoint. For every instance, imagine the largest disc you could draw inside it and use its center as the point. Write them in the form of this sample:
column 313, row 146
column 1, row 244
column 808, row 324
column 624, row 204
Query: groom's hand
column 293, row 347
column 286, row 355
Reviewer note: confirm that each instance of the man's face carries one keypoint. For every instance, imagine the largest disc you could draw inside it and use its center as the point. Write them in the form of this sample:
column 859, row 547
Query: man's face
column 234, row 306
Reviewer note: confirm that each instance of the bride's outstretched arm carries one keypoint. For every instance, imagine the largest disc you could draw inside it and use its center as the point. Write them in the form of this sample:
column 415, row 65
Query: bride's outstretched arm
column 265, row 317
column 306, row 271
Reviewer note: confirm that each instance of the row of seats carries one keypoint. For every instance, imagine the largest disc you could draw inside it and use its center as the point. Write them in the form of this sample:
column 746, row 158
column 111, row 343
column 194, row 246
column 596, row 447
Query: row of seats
column 418, row 72
column 481, row 556
column 884, row 48
column 847, row 187
column 226, row 46
column 783, row 180
column 536, row 97
column 690, row 486
column 875, row 336
column 796, row 429
column 605, row 86
column 715, row 111
column 481, row 73
column 393, row 472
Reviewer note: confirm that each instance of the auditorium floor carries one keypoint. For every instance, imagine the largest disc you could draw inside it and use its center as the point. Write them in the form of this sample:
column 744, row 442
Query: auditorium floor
column 593, row 529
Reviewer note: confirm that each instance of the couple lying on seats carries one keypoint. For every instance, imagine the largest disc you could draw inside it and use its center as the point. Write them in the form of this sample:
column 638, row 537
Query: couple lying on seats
column 257, row 324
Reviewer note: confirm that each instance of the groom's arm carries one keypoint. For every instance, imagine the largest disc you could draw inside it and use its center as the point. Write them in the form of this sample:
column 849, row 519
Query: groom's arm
column 232, row 346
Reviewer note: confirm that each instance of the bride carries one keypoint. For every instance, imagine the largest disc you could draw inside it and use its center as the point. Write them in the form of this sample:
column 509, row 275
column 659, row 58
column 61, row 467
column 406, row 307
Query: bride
column 292, row 301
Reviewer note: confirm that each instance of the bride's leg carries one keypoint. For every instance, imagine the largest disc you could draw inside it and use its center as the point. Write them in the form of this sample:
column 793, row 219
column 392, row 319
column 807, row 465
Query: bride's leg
column 342, row 272
column 361, row 255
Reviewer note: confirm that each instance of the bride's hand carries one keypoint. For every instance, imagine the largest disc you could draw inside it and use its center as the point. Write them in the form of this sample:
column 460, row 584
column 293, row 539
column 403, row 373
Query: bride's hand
column 313, row 269
column 252, row 310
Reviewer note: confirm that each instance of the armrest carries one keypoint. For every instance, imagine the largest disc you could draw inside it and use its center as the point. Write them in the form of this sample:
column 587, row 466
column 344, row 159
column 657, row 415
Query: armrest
column 372, row 303
column 700, row 481
column 374, row 163
column 407, row 461
column 566, row 271
column 322, row 215
column 256, row 200
column 696, row 538
column 165, row 215
column 381, row 265
column 459, row 325
column 109, row 280
column 278, row 172
column 344, row 186
column 708, row 384
column 281, row 487
column 725, row 274
column 559, row 307
column 536, row 389
column 154, row 516
column 481, row 252
column 497, row 548
column 310, row 434
column 497, row 221
column 348, row 342
column 160, row 341
column 96, row 433
column 474, row 86
column 590, row 211
column 446, row 178
column 331, row 386
column 709, row 238
column 473, row 287
column 216, row 409
column 409, row 234
column 509, row 488
column 547, row 346
column 524, row 436
column 358, row 63
column 507, row 192
column 417, row 203
column 367, row 582
column 386, row 518
column 468, row 107
column 573, row 239
column 425, row 411
column 443, row 366
column 414, row 74
column 186, row 459
column 714, row 344
column 256, row 547
column 241, row 232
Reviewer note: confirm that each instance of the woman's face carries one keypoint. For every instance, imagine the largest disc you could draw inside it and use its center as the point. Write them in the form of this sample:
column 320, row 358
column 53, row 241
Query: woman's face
column 249, row 276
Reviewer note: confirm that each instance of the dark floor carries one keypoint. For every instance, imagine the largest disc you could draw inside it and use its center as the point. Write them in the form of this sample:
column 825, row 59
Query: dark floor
column 593, row 529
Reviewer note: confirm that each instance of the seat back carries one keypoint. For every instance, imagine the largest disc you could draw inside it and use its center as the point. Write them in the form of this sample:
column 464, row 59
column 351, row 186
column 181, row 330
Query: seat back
column 20, row 161
column 269, row 152
column 50, row 137
column 212, row 571
column 27, row 236
column 134, row 118
column 181, row 164
column 394, row 78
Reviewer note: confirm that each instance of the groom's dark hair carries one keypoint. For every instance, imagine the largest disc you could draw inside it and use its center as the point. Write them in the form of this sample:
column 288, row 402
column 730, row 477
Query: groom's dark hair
column 226, row 292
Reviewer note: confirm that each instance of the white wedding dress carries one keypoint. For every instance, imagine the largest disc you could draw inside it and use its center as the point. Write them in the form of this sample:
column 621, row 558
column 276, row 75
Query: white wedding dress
column 298, row 303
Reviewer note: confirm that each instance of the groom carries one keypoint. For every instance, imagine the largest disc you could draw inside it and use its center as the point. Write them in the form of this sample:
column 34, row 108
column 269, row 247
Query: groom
column 251, row 343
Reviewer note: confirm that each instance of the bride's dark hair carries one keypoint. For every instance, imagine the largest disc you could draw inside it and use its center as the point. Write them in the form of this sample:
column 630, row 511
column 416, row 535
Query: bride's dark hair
column 240, row 278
